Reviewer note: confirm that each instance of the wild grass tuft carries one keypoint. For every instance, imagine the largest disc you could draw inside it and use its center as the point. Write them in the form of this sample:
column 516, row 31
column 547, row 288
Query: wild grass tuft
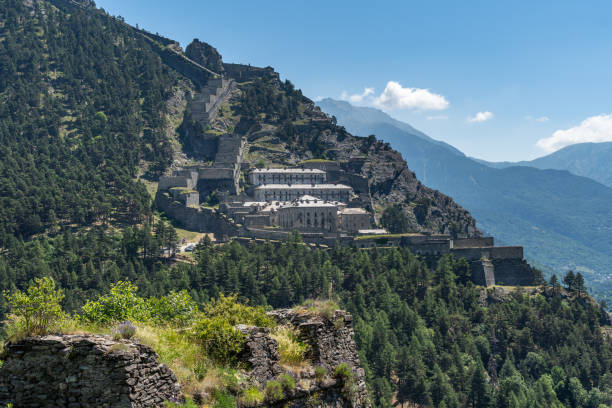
column 291, row 350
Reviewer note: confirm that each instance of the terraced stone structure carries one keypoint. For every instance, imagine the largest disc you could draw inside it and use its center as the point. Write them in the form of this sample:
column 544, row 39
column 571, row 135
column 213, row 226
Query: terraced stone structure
column 84, row 371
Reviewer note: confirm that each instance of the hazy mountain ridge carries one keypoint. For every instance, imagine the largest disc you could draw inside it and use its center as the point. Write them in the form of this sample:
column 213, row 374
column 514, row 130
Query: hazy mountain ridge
column 562, row 220
column 593, row 160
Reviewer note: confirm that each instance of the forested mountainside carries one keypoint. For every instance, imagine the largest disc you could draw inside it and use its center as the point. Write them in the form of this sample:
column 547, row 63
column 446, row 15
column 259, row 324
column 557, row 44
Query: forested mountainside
column 82, row 107
column 425, row 333
column 562, row 220
column 87, row 108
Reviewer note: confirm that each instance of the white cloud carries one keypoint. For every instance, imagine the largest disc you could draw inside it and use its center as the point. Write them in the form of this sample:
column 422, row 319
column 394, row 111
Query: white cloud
column 437, row 117
column 593, row 129
column 481, row 117
column 397, row 97
column 357, row 98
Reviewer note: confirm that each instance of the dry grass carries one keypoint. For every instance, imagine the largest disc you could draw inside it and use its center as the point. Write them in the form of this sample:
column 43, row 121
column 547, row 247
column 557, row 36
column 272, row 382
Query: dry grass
column 291, row 350
column 180, row 354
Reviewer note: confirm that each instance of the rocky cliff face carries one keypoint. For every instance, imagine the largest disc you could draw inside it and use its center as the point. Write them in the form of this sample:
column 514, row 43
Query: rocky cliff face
column 84, row 371
column 205, row 55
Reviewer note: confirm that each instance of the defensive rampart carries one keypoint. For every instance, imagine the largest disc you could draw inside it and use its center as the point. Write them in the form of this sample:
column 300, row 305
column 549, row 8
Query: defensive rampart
column 196, row 219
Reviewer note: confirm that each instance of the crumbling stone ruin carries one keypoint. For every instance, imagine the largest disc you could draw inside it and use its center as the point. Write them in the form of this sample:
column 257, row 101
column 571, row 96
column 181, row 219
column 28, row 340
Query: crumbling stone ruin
column 331, row 343
column 95, row 371
column 84, row 371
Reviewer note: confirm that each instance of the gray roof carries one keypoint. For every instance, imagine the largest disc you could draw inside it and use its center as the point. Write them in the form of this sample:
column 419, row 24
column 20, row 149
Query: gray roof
column 287, row 171
column 304, row 187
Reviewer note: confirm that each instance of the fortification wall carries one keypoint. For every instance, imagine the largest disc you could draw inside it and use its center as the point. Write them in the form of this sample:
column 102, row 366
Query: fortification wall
column 513, row 272
column 429, row 248
column 168, row 182
column 492, row 253
column 473, row 242
column 243, row 73
column 197, row 219
column 198, row 75
column 256, row 220
column 214, row 173
column 83, row 371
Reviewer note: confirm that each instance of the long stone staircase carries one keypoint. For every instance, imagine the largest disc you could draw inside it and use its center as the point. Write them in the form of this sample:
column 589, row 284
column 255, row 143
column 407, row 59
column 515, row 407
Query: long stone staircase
column 206, row 103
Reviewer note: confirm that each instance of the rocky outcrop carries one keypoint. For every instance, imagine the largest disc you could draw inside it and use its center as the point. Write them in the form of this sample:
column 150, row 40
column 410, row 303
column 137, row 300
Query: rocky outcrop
column 331, row 343
column 84, row 371
column 205, row 55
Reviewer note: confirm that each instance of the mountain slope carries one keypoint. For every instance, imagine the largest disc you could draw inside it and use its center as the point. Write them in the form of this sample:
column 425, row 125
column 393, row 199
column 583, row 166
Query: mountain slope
column 82, row 115
column 360, row 119
column 593, row 160
column 562, row 220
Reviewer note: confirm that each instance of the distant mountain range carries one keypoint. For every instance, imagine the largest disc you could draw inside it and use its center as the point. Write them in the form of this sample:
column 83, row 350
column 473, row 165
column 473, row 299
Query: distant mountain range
column 563, row 220
column 593, row 160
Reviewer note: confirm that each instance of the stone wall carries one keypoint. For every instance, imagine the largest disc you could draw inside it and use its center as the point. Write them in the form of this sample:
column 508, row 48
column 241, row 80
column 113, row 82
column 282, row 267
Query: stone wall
column 196, row 219
column 473, row 242
column 168, row 182
column 83, row 371
column 331, row 341
column 513, row 272
column 244, row 73
column 511, row 252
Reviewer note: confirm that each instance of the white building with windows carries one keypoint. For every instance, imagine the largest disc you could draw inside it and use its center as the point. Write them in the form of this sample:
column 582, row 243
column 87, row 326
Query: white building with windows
column 260, row 177
column 289, row 192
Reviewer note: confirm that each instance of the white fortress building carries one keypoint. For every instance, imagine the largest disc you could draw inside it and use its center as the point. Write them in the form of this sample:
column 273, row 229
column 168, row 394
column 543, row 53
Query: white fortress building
column 289, row 192
column 260, row 177
column 308, row 213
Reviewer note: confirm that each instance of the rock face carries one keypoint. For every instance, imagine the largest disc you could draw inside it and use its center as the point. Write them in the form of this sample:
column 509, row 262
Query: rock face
column 331, row 343
column 205, row 55
column 84, row 371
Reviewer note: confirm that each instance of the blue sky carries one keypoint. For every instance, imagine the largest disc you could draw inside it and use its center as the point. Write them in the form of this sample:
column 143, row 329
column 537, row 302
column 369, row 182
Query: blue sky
column 538, row 72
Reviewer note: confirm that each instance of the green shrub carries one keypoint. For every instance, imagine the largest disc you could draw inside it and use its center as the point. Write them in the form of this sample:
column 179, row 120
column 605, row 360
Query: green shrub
column 121, row 304
column 320, row 373
column 220, row 340
column 291, row 350
column 231, row 379
column 274, row 391
column 224, row 400
column 36, row 311
column 343, row 373
column 251, row 397
column 177, row 309
column 287, row 382
column 235, row 313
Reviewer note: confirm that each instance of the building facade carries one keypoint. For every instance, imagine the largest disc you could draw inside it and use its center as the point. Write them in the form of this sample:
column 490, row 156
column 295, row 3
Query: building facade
column 354, row 219
column 290, row 192
column 259, row 177
column 308, row 214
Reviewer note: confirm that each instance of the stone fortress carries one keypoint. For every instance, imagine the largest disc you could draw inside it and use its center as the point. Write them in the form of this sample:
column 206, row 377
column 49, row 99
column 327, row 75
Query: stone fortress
column 328, row 202
column 324, row 211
